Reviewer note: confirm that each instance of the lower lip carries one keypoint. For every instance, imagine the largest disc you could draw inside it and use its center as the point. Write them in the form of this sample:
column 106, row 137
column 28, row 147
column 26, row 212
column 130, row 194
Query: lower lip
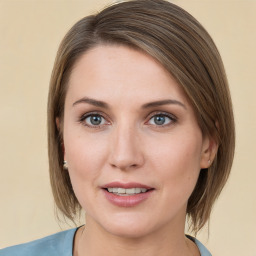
column 127, row 201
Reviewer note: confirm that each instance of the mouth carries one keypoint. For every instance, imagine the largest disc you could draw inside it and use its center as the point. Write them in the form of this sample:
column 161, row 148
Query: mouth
column 127, row 191
column 127, row 194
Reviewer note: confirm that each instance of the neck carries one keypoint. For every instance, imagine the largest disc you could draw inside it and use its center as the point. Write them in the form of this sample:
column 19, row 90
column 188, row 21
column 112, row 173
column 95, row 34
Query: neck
column 93, row 240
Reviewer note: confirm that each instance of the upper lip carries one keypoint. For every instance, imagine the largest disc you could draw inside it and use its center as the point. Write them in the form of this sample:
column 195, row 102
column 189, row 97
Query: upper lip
column 117, row 184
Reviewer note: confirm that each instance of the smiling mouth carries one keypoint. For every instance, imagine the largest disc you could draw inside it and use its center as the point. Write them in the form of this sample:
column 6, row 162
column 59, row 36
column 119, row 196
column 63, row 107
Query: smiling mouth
column 127, row 191
column 127, row 194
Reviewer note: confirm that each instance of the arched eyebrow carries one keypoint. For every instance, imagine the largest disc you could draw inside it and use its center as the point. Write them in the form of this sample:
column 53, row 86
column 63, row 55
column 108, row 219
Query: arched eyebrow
column 163, row 102
column 102, row 104
column 96, row 103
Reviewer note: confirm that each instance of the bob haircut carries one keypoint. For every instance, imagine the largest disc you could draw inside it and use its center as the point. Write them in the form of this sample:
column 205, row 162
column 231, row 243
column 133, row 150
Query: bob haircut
column 179, row 42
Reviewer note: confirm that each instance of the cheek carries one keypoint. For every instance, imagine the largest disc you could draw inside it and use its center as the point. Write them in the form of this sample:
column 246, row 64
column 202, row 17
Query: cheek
column 85, row 156
column 83, row 150
column 178, row 163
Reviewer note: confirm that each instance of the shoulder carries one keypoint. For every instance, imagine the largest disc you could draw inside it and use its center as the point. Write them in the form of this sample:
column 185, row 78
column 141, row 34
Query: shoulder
column 201, row 247
column 59, row 244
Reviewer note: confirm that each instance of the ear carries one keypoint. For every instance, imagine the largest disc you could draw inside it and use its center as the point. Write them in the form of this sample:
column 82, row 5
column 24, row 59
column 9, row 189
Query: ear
column 57, row 121
column 209, row 151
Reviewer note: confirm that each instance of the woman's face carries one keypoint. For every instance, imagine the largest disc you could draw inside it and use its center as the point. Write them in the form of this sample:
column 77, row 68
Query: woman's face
column 132, row 142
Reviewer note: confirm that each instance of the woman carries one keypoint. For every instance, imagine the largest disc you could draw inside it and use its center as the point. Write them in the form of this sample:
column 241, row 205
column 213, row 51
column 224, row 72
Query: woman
column 140, row 133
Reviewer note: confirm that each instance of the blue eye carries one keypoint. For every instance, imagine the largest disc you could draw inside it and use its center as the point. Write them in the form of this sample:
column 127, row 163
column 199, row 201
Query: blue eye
column 160, row 120
column 93, row 120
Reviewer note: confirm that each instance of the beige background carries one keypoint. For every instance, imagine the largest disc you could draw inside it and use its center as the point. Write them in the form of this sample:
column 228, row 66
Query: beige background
column 30, row 32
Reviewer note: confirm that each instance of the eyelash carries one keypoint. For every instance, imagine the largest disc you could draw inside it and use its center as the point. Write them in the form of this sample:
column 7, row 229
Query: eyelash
column 91, row 114
column 172, row 118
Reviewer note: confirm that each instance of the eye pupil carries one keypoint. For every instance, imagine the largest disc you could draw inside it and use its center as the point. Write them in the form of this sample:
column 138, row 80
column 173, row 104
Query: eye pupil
column 95, row 120
column 159, row 120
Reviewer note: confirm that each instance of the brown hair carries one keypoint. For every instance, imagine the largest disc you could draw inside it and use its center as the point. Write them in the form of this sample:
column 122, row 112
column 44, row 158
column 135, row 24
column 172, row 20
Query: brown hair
column 180, row 43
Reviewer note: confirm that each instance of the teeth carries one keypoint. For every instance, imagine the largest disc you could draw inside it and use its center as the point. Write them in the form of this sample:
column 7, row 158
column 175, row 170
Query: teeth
column 137, row 190
column 121, row 191
column 130, row 190
column 126, row 191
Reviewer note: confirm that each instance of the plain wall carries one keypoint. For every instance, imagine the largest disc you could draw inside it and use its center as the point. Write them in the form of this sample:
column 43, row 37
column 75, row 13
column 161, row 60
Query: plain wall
column 30, row 32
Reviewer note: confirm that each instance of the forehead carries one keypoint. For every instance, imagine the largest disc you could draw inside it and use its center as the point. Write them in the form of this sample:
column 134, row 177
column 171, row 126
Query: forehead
column 110, row 70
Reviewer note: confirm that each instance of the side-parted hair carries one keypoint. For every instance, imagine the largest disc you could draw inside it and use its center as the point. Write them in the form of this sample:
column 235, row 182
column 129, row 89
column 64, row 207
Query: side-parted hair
column 179, row 42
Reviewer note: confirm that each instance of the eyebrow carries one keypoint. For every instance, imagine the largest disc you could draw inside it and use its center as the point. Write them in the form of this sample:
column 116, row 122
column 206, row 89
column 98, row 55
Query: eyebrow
column 103, row 104
column 96, row 103
column 163, row 102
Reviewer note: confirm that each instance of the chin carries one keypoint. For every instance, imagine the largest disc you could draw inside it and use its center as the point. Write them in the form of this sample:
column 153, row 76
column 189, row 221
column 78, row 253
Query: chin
column 129, row 227
column 128, row 232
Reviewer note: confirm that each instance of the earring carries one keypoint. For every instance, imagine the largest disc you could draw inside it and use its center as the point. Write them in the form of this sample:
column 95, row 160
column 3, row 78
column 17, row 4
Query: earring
column 65, row 165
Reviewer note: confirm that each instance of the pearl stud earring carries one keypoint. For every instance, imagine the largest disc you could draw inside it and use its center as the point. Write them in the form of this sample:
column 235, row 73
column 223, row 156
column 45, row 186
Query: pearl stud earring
column 65, row 165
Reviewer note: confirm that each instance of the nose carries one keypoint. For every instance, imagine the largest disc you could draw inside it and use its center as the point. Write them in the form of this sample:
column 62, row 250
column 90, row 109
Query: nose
column 126, row 149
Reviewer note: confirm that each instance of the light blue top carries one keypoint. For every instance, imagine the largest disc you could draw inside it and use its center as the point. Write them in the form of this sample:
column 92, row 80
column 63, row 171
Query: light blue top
column 61, row 244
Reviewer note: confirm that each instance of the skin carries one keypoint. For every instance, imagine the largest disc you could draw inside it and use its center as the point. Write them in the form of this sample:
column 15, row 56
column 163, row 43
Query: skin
column 129, row 146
